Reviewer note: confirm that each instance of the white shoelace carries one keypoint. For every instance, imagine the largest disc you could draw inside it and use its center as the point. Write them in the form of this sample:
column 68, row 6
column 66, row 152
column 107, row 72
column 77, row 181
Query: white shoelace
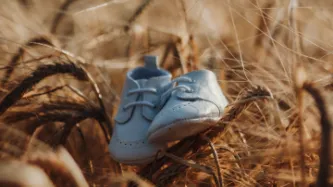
column 142, row 103
column 164, row 96
column 173, row 88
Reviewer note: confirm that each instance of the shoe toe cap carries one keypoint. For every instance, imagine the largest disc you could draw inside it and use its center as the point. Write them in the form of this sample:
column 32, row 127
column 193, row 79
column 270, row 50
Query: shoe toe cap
column 183, row 111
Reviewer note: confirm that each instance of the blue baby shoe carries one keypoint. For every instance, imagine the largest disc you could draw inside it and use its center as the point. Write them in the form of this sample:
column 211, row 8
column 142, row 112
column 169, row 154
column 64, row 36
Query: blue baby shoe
column 138, row 107
column 189, row 107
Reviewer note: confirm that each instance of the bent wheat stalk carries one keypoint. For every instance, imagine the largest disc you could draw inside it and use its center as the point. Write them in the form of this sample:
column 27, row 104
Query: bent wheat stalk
column 216, row 159
column 326, row 127
column 18, row 55
column 42, row 72
column 61, row 66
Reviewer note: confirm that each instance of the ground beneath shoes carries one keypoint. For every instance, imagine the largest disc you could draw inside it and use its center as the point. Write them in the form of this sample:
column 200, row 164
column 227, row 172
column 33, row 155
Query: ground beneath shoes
column 191, row 106
column 141, row 93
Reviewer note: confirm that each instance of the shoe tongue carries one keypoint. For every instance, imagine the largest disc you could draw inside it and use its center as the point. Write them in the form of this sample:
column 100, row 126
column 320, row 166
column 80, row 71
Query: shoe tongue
column 142, row 83
column 159, row 83
column 149, row 113
column 154, row 82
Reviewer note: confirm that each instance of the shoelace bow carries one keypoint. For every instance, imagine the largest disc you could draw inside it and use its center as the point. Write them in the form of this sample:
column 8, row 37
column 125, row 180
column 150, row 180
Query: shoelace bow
column 164, row 96
column 144, row 103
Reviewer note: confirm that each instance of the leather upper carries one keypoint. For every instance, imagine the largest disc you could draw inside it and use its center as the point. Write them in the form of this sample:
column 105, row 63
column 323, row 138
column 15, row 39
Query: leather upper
column 159, row 83
column 151, row 101
column 204, row 100
column 204, row 87
column 129, row 142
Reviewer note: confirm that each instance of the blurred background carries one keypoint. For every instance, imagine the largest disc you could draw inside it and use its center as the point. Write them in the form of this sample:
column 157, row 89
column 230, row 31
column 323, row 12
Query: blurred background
column 274, row 44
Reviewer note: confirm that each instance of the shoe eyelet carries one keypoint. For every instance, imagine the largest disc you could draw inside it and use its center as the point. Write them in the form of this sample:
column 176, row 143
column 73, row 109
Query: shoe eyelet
column 189, row 91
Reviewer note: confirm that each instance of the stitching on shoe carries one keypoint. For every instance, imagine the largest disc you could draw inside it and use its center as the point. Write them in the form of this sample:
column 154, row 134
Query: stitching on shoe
column 180, row 106
column 188, row 119
column 134, row 144
column 167, row 128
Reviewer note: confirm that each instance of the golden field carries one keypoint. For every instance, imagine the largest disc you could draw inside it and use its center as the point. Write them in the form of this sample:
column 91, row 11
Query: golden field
column 63, row 64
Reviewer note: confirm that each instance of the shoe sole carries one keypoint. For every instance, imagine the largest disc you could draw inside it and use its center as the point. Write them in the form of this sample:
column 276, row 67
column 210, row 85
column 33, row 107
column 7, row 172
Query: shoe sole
column 182, row 129
column 135, row 162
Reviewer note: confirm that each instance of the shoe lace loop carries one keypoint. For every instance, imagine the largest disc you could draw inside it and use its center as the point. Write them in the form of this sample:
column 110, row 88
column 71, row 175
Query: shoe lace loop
column 141, row 103
column 175, row 87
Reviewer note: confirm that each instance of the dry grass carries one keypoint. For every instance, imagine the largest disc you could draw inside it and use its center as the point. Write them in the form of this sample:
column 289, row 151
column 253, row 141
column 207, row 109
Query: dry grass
column 272, row 59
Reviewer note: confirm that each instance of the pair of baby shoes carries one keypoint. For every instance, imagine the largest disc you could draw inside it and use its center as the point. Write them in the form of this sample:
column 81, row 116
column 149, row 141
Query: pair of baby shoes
column 155, row 110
